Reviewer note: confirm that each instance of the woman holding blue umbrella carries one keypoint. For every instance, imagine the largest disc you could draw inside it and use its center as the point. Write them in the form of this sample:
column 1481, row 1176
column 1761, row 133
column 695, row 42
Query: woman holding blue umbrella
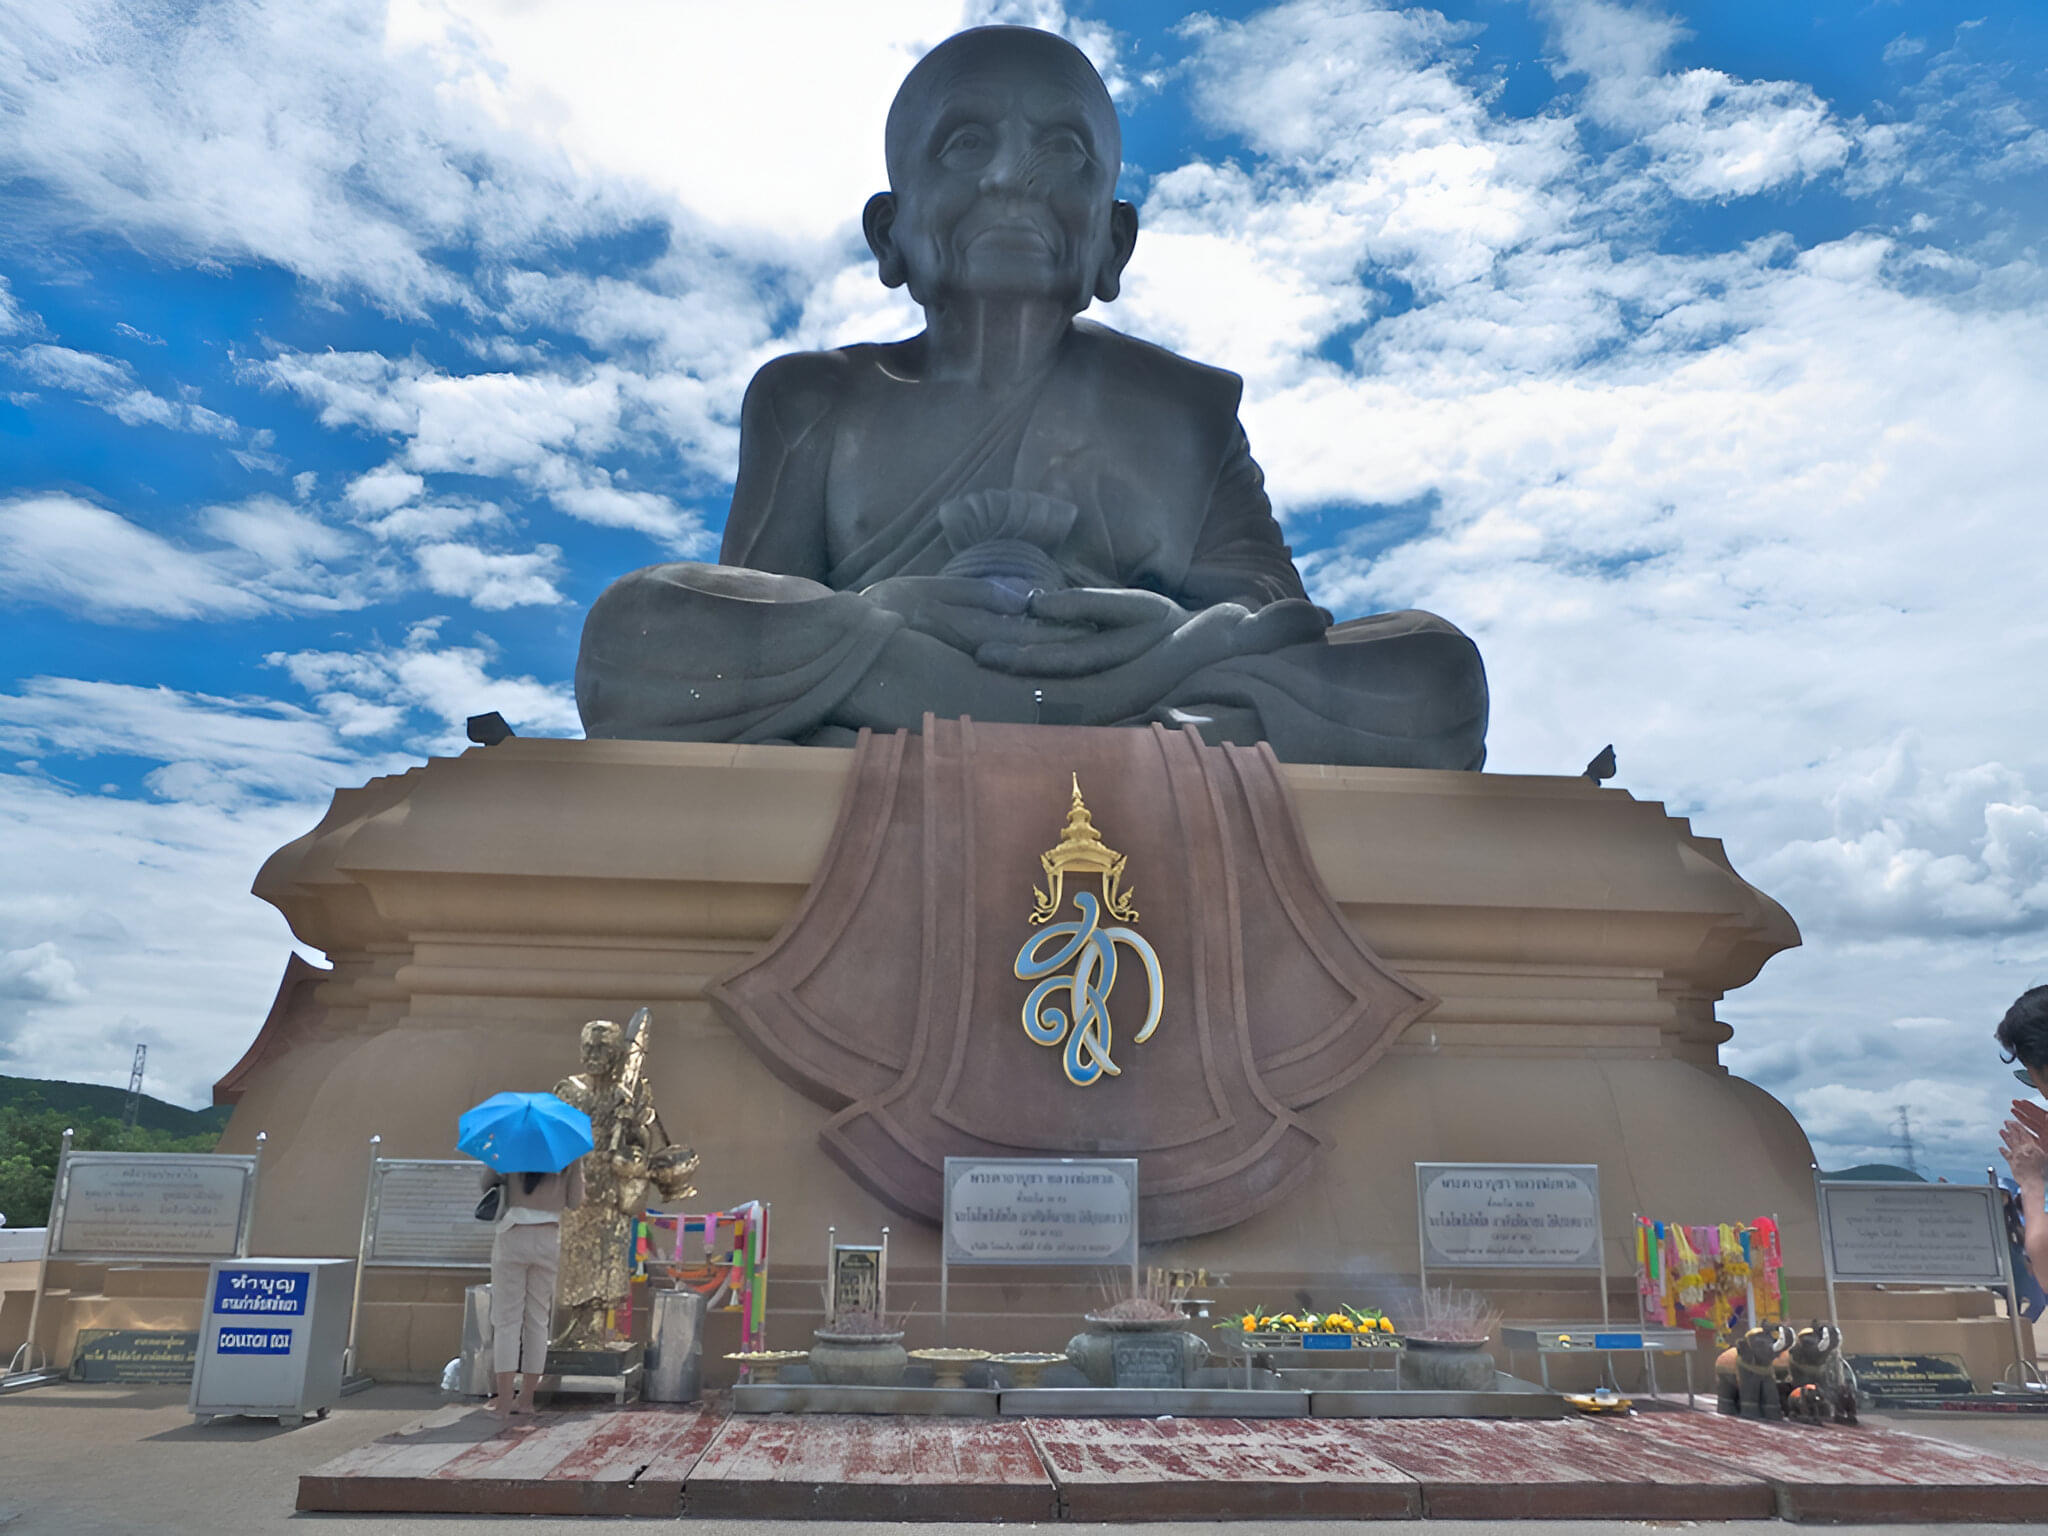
column 531, row 1146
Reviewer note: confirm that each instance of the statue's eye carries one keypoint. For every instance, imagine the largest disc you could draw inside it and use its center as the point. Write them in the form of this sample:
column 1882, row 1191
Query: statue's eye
column 1063, row 149
column 967, row 147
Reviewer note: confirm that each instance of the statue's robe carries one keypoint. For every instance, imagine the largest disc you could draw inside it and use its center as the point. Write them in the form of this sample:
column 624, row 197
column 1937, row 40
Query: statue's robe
column 769, row 644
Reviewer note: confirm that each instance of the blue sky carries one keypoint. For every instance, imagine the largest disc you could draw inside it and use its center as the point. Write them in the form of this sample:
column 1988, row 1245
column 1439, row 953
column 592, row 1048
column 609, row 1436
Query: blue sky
column 1692, row 358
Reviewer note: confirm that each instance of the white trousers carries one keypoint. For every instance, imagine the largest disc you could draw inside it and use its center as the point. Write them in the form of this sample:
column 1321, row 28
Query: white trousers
column 524, row 1257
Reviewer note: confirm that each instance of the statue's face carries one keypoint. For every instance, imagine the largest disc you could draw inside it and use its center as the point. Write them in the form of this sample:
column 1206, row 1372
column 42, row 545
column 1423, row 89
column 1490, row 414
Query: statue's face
column 600, row 1050
column 1003, row 165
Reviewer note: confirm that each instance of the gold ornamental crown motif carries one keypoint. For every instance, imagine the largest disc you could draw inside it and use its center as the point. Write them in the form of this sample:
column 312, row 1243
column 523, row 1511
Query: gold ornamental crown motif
column 1082, row 850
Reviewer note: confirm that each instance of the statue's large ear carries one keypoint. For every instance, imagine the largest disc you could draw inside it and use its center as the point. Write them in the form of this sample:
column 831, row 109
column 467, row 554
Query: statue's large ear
column 1123, row 239
column 878, row 223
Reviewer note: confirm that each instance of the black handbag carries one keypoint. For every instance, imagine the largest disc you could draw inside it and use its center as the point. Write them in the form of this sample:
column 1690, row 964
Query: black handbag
column 487, row 1208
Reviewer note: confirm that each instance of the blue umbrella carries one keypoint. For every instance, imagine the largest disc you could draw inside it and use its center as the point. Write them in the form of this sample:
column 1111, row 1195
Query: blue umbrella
column 524, row 1133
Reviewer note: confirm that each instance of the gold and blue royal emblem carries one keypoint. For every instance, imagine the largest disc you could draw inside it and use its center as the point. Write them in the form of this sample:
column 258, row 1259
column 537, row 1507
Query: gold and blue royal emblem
column 1069, row 1008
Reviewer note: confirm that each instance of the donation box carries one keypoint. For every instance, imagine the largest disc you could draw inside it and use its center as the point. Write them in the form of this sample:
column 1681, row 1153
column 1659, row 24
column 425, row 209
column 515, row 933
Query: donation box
column 271, row 1341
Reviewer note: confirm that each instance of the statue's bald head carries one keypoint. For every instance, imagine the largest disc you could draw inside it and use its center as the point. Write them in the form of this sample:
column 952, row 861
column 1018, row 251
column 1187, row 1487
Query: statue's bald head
column 1003, row 151
column 955, row 63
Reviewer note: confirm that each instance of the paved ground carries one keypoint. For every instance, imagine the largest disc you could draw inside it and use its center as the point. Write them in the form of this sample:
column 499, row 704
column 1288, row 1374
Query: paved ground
column 113, row 1461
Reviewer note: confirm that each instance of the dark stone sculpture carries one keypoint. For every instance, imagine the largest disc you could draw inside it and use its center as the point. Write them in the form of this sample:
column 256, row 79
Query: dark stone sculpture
column 1015, row 515
column 1746, row 1376
column 1818, row 1390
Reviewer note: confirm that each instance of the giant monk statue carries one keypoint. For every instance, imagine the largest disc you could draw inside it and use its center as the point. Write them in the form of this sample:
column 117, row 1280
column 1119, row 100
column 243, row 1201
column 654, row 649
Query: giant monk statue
column 1015, row 514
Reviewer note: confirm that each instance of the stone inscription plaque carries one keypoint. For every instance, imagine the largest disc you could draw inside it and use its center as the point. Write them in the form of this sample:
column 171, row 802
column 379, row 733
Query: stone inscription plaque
column 1148, row 1360
column 165, row 1205
column 423, row 1212
column 1884, row 1376
column 1930, row 1234
column 134, row 1355
column 1509, row 1215
column 1041, row 1210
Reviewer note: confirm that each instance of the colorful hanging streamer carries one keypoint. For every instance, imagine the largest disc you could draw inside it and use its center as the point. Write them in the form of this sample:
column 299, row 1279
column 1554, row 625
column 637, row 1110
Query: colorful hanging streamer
column 733, row 1274
column 1707, row 1275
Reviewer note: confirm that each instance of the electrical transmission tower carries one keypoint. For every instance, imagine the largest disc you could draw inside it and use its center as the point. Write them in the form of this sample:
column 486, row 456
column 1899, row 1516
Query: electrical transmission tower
column 1903, row 1141
column 134, row 1103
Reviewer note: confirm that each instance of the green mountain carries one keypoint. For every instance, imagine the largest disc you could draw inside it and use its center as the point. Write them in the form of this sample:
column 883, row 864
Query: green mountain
column 90, row 1101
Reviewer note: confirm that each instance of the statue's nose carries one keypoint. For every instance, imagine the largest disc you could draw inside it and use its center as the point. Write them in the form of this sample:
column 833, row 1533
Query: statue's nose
column 1008, row 170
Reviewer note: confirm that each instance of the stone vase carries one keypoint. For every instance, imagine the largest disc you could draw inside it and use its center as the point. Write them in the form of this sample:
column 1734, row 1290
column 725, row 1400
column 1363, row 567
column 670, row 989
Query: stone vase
column 1431, row 1365
column 1094, row 1353
column 858, row 1360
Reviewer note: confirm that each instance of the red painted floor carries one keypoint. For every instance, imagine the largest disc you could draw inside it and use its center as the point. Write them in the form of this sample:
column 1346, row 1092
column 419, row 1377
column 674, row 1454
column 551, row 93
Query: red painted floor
column 696, row 1461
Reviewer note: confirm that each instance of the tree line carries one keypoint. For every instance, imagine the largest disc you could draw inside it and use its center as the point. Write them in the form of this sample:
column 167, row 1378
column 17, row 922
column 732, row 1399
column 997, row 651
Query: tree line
column 32, row 1132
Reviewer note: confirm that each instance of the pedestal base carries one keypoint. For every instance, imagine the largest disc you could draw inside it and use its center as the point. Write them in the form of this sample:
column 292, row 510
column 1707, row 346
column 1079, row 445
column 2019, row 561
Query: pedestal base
column 479, row 909
column 604, row 1360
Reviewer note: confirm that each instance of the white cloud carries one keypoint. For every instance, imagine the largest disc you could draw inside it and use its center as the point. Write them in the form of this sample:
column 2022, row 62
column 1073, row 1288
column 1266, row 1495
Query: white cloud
column 39, row 973
column 109, row 383
column 1759, row 515
column 1706, row 134
column 384, row 489
column 14, row 320
column 546, row 429
column 59, row 549
column 215, row 749
column 1917, row 851
column 440, row 518
column 1945, row 1118
column 672, row 98
column 491, row 581
column 73, row 554
column 145, row 906
column 448, row 683
column 276, row 532
column 292, row 133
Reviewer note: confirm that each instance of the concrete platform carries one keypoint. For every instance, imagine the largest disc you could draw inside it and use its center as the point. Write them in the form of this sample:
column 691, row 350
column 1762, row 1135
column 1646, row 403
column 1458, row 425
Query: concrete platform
column 1473, row 1469
column 1830, row 1474
column 1664, row 1466
column 829, row 1466
column 1219, row 1469
column 462, row 1461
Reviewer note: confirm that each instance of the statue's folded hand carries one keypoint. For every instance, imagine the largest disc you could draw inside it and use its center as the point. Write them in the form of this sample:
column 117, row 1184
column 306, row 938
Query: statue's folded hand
column 1290, row 621
column 1108, row 628
column 1123, row 627
column 967, row 612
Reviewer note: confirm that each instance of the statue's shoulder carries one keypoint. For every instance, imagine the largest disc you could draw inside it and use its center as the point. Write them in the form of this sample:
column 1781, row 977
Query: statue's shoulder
column 1146, row 368
column 800, row 389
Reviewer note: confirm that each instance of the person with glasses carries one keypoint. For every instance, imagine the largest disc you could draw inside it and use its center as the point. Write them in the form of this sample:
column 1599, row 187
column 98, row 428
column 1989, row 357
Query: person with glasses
column 2023, row 1037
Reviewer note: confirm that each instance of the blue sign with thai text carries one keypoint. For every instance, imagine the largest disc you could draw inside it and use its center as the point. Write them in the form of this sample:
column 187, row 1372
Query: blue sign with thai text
column 253, row 1341
column 261, row 1292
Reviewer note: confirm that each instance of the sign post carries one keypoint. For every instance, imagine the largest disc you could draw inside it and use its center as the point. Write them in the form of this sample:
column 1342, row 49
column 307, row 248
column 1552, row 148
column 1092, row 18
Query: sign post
column 1038, row 1210
column 418, row 1213
column 166, row 1207
column 1511, row 1216
column 1901, row 1233
column 191, row 1207
column 24, row 1364
column 351, row 1379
